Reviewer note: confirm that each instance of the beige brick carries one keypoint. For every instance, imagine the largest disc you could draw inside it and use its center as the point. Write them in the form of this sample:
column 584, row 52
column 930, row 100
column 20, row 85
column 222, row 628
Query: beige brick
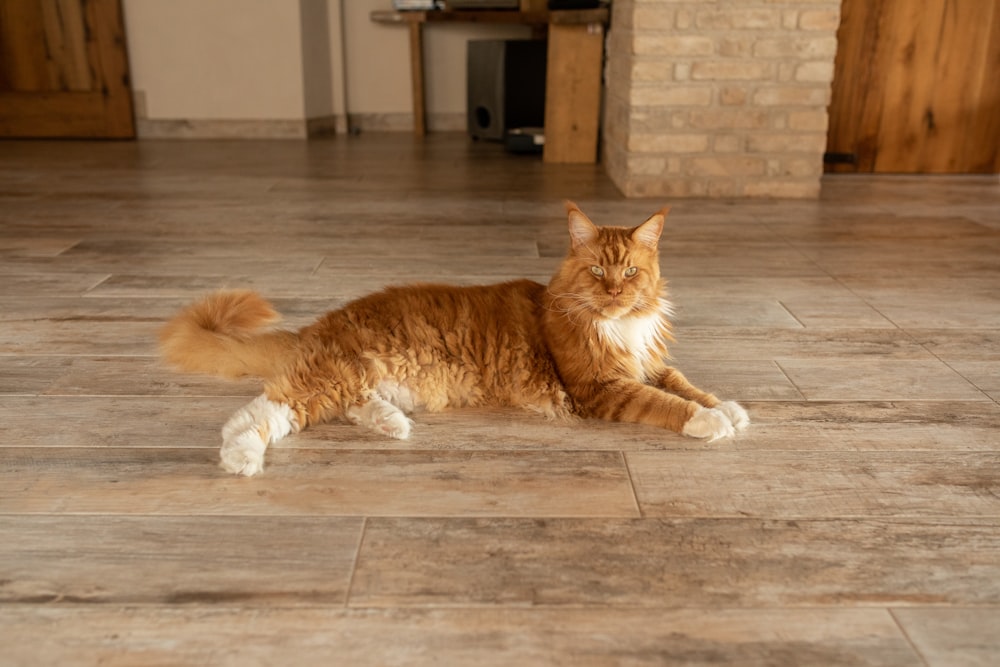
column 815, row 71
column 672, row 96
column 796, row 167
column 666, row 187
column 786, row 143
column 731, row 96
column 653, row 70
column 684, row 19
column 721, row 189
column 786, row 72
column 728, row 119
column 733, row 18
column 808, row 120
column 796, row 47
column 668, row 143
column 792, row 96
column 727, row 166
column 682, row 71
column 726, row 143
column 653, row 18
column 729, row 71
column 735, row 46
column 673, row 45
column 820, row 19
column 790, row 19
column 645, row 166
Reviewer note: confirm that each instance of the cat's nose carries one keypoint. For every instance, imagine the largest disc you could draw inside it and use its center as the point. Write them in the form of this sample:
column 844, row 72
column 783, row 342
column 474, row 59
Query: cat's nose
column 614, row 291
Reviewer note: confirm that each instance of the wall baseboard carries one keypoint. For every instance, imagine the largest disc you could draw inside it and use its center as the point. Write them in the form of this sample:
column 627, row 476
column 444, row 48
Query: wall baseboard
column 403, row 122
column 169, row 128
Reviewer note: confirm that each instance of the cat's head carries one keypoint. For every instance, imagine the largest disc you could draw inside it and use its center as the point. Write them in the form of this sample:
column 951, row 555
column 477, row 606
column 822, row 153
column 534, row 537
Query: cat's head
column 612, row 272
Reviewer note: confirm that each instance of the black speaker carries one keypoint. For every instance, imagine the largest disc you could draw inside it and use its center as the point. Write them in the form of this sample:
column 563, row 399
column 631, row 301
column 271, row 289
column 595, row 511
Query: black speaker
column 506, row 86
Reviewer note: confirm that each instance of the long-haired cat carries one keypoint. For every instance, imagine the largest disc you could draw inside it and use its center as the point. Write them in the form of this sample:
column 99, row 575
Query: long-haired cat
column 592, row 343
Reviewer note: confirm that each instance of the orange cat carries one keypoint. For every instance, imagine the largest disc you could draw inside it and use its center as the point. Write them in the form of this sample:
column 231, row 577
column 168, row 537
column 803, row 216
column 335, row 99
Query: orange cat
column 592, row 343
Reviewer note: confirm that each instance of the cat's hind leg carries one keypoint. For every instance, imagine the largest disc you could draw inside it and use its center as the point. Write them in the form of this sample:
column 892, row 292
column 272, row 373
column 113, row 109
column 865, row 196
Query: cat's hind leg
column 382, row 417
column 247, row 434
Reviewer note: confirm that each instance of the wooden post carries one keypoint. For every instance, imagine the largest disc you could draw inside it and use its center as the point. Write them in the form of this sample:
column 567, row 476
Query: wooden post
column 573, row 92
column 417, row 77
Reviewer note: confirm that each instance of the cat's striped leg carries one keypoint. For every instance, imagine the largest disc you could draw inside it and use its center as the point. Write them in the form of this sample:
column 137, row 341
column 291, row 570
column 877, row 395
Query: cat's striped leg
column 673, row 380
column 382, row 417
column 247, row 434
column 631, row 401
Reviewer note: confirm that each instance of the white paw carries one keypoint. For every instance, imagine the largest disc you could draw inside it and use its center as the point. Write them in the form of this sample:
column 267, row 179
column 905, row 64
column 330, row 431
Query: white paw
column 710, row 424
column 382, row 417
column 247, row 434
column 737, row 415
column 243, row 454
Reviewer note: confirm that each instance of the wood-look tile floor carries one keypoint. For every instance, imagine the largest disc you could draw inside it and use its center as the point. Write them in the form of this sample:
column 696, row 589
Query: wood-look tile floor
column 857, row 522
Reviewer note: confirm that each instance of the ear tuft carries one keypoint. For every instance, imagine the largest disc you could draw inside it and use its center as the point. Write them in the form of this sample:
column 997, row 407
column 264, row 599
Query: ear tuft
column 582, row 231
column 648, row 233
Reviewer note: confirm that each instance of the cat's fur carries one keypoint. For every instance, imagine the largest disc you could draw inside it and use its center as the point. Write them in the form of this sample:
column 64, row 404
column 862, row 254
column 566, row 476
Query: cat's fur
column 592, row 343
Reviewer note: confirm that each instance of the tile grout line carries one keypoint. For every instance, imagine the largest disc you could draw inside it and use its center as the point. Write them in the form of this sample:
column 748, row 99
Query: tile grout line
column 906, row 636
column 315, row 269
column 791, row 314
column 631, row 483
column 949, row 366
column 790, row 380
column 354, row 564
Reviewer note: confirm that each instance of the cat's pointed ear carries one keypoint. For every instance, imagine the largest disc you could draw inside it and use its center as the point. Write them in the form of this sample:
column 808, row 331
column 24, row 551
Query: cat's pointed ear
column 581, row 230
column 648, row 233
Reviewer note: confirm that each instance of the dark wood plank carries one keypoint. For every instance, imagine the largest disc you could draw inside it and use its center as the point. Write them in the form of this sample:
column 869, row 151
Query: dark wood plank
column 433, row 637
column 160, row 481
column 176, row 560
column 677, row 563
column 817, row 485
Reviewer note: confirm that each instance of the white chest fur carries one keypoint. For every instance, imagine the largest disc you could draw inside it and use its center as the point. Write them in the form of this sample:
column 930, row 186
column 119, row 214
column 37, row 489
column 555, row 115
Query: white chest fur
column 637, row 336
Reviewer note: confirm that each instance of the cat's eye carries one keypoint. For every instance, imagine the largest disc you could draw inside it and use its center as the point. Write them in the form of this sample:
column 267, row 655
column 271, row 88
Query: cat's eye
column 597, row 271
column 631, row 271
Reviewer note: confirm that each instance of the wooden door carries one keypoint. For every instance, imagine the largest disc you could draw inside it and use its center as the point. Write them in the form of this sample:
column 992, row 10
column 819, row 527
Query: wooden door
column 64, row 69
column 916, row 87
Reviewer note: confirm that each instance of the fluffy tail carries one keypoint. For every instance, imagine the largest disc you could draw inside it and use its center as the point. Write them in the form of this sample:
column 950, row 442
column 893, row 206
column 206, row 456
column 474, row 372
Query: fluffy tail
column 220, row 335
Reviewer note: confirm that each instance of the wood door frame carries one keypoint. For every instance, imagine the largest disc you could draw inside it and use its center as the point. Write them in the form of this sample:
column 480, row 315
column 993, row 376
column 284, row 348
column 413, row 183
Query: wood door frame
column 104, row 111
column 912, row 89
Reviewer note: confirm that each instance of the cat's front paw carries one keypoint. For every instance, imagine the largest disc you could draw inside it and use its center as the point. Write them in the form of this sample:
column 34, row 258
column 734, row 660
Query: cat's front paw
column 709, row 424
column 736, row 413
column 243, row 454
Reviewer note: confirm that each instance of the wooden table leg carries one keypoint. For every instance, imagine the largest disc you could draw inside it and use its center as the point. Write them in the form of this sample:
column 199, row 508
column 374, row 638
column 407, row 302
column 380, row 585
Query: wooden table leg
column 573, row 92
column 417, row 77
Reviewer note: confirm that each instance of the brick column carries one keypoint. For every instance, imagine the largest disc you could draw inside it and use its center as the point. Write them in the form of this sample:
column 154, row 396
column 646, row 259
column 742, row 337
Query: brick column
column 718, row 98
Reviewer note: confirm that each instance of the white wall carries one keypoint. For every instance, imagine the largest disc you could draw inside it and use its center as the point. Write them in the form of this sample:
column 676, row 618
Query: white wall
column 289, row 59
column 216, row 59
